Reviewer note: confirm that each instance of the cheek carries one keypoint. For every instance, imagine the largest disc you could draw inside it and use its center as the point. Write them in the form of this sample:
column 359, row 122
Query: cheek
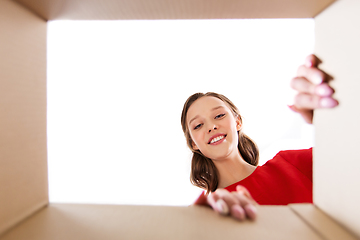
column 232, row 125
column 197, row 139
column 234, row 132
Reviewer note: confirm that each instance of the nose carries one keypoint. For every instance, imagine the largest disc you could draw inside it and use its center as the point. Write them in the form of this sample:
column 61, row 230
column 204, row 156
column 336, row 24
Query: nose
column 214, row 128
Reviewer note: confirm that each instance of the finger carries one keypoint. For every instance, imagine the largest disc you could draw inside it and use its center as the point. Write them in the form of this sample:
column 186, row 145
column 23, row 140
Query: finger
column 224, row 200
column 251, row 211
column 221, row 207
column 242, row 199
column 238, row 212
column 246, row 203
column 301, row 84
column 314, row 75
column 312, row 61
column 237, row 203
column 308, row 101
column 324, row 90
column 211, row 200
column 216, row 201
column 241, row 189
column 234, row 198
column 218, row 194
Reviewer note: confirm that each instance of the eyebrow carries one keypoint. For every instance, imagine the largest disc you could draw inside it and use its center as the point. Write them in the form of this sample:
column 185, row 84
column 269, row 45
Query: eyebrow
column 211, row 110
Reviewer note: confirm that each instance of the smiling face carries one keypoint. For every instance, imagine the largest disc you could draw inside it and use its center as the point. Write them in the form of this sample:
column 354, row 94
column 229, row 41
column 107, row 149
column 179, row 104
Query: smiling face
column 213, row 128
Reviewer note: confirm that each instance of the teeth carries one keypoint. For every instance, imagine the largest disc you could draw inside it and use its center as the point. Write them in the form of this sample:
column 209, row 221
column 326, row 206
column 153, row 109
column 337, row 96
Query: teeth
column 216, row 139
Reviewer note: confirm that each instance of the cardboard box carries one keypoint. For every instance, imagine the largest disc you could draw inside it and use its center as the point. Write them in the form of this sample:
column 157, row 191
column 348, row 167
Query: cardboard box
column 23, row 154
column 24, row 209
column 69, row 221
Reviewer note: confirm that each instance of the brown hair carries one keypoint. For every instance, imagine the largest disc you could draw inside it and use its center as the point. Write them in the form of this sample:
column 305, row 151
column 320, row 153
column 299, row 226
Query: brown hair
column 203, row 171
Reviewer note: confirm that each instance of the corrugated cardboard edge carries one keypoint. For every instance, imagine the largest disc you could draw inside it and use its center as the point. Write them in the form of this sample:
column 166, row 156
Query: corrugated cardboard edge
column 321, row 223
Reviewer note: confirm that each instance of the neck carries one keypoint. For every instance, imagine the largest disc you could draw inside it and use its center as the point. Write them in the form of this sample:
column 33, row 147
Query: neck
column 232, row 170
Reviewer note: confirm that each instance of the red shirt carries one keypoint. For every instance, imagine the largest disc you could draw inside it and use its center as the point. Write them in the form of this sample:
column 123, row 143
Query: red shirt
column 287, row 178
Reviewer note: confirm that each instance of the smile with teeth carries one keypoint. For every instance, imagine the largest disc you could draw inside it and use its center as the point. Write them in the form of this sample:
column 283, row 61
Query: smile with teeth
column 216, row 139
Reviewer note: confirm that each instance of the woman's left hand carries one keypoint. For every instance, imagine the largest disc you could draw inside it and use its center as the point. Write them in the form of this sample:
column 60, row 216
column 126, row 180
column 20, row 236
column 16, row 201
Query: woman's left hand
column 313, row 89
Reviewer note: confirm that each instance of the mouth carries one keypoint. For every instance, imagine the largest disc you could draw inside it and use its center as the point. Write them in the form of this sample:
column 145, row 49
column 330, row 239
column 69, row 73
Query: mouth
column 217, row 139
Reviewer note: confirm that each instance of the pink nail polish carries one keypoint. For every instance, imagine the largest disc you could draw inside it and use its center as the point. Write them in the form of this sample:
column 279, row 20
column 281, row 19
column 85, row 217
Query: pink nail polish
column 323, row 90
column 239, row 212
column 328, row 103
column 252, row 211
column 317, row 79
column 252, row 208
column 291, row 107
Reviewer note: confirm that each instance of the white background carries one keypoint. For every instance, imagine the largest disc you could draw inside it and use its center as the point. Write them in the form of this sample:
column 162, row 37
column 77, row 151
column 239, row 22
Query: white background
column 116, row 91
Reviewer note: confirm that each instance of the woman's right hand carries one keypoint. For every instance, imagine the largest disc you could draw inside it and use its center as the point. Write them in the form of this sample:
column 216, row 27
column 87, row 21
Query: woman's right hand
column 238, row 204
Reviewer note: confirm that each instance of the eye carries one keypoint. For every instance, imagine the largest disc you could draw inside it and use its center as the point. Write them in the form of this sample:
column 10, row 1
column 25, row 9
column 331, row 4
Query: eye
column 197, row 126
column 220, row 116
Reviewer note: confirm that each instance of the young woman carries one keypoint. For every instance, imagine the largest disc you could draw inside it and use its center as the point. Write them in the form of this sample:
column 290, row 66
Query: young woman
column 225, row 159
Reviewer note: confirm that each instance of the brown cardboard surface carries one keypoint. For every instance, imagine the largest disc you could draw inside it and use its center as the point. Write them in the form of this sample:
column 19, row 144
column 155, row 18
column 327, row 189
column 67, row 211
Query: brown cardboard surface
column 70, row 221
column 172, row 9
column 23, row 173
column 336, row 152
column 321, row 223
column 23, row 165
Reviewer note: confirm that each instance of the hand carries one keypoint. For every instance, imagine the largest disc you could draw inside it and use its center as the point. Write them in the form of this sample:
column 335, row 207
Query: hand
column 239, row 204
column 313, row 89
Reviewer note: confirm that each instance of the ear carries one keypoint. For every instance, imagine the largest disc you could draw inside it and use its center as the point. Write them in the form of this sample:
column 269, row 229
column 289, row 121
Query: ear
column 238, row 123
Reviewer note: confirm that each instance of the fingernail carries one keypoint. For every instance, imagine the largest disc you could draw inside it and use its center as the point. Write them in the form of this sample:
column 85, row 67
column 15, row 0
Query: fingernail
column 323, row 90
column 292, row 108
column 238, row 212
column 252, row 211
column 222, row 207
column 317, row 79
column 308, row 63
column 328, row 102
column 239, row 189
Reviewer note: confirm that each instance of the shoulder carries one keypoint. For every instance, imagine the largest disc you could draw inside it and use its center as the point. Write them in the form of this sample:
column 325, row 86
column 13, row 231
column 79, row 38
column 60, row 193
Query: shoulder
column 300, row 159
column 294, row 156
